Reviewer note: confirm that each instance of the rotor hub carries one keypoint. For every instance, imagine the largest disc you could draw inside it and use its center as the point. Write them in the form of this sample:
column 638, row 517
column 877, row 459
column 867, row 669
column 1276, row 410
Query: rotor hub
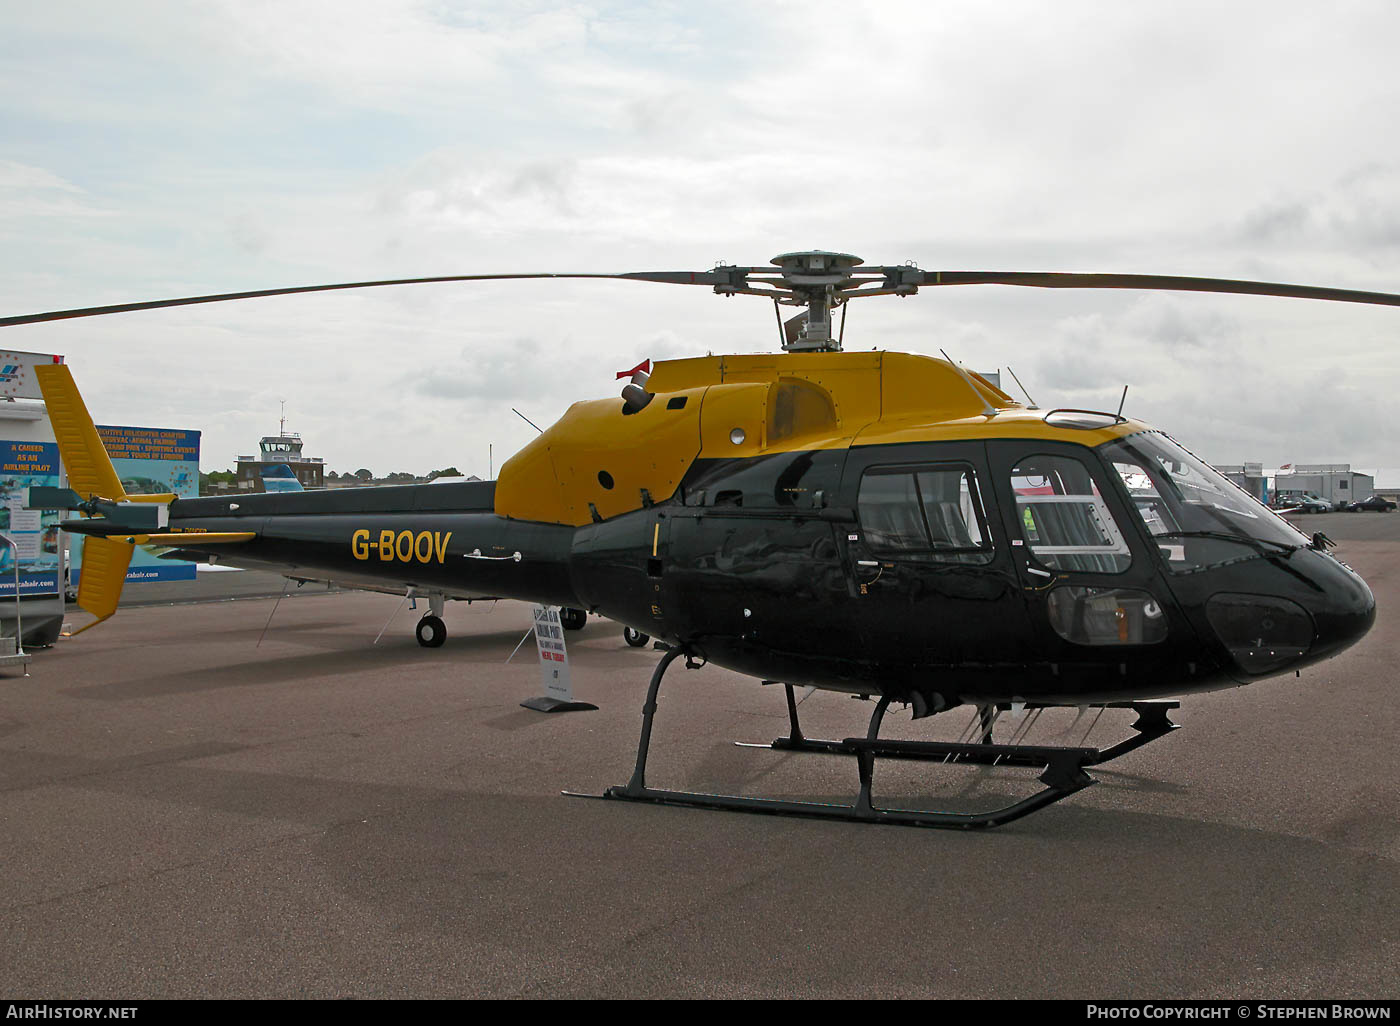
column 814, row 278
column 816, row 267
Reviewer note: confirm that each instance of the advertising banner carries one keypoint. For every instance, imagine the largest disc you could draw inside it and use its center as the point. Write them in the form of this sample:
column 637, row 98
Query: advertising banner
column 151, row 461
column 17, row 374
column 554, row 657
column 34, row 533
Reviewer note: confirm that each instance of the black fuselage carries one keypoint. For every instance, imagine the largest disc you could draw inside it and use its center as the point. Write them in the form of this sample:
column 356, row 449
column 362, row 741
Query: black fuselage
column 770, row 566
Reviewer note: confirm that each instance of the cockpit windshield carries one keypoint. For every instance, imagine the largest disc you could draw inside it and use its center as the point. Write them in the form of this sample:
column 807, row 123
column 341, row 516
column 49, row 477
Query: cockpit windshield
column 1197, row 516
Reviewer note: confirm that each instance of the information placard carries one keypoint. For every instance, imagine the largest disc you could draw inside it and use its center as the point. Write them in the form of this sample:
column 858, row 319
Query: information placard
column 34, row 532
column 554, row 657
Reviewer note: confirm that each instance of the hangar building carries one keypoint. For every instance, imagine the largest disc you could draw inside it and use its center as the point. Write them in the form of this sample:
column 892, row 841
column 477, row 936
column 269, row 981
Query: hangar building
column 1334, row 482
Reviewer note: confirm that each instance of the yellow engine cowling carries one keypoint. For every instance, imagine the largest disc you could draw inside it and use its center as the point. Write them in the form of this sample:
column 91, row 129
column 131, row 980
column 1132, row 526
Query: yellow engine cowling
column 598, row 459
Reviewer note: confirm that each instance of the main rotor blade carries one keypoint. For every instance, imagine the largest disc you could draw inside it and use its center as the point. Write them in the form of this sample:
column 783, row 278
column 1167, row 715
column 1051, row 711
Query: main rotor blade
column 1161, row 282
column 669, row 277
column 729, row 276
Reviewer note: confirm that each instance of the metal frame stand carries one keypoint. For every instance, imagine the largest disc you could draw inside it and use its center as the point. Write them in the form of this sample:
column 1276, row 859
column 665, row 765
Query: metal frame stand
column 19, row 657
column 1062, row 767
column 544, row 703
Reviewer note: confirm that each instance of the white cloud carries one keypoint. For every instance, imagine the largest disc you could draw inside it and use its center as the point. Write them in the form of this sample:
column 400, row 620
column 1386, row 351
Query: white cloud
column 244, row 145
column 34, row 192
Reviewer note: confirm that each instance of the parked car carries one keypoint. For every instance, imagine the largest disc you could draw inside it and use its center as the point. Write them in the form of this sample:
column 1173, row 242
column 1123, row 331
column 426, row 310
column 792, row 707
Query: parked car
column 1375, row 504
column 1304, row 504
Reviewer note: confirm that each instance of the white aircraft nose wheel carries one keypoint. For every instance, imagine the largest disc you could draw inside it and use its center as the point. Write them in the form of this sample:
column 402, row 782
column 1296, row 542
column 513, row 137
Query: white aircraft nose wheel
column 635, row 638
column 431, row 631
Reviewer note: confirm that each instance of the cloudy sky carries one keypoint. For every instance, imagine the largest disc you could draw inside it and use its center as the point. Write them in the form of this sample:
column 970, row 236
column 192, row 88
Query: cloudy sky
column 152, row 149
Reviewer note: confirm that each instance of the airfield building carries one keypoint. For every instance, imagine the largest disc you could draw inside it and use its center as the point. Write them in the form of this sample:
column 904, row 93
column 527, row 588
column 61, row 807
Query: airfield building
column 1250, row 477
column 284, row 448
column 1334, row 482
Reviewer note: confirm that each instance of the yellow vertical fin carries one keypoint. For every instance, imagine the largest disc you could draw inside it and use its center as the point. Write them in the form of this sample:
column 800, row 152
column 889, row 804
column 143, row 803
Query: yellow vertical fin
column 103, row 574
column 90, row 471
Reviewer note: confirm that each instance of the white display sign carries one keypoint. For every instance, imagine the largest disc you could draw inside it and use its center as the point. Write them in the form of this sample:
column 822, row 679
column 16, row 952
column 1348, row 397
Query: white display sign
column 17, row 373
column 26, row 527
column 554, row 657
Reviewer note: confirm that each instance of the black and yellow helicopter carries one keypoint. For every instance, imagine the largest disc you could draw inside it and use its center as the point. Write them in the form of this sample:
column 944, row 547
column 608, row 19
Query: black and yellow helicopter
column 882, row 524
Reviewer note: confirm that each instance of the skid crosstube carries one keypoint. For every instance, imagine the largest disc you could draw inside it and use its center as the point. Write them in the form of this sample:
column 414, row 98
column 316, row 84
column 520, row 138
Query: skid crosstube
column 1152, row 723
column 1062, row 776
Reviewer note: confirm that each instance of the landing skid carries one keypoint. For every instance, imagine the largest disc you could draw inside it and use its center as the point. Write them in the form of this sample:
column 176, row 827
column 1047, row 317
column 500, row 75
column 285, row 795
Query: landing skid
column 1063, row 767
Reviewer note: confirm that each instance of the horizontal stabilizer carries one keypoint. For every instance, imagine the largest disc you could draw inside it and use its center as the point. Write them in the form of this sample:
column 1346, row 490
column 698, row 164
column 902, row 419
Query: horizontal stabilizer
column 48, row 497
column 135, row 512
column 115, row 517
column 106, row 559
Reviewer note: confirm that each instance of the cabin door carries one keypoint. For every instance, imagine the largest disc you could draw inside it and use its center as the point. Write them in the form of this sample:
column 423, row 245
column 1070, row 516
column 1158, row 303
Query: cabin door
column 1090, row 596
column 937, row 595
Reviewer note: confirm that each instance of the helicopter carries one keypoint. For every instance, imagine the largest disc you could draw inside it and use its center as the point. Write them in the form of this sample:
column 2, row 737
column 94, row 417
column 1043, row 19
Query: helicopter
column 888, row 525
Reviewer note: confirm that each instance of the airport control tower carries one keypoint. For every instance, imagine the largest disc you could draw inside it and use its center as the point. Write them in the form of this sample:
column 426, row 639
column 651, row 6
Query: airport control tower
column 285, row 448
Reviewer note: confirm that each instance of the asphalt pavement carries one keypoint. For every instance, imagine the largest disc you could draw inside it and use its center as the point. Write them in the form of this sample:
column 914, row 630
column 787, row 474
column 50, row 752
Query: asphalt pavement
column 190, row 811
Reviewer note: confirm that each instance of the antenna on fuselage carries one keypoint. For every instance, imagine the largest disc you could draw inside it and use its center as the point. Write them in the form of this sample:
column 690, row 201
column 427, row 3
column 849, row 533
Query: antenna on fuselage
column 988, row 410
column 1033, row 405
column 1119, row 414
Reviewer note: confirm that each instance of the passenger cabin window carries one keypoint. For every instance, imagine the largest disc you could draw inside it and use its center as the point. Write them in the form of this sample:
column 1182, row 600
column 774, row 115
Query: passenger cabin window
column 932, row 513
column 1063, row 517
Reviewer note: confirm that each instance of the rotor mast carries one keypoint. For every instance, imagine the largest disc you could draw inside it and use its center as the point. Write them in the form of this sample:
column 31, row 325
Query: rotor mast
column 815, row 277
column 819, row 280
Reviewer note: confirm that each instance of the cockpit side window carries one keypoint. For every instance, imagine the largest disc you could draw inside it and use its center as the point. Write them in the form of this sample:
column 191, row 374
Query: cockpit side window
column 929, row 512
column 1197, row 517
column 1063, row 517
